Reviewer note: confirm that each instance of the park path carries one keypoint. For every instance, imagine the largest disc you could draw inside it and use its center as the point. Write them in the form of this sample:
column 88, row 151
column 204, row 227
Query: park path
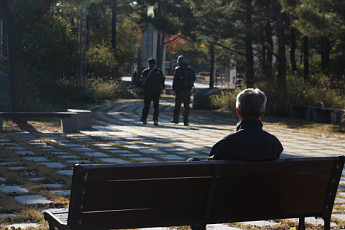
column 119, row 137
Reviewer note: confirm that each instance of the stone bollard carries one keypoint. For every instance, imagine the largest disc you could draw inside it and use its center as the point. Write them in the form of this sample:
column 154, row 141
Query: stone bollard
column 84, row 118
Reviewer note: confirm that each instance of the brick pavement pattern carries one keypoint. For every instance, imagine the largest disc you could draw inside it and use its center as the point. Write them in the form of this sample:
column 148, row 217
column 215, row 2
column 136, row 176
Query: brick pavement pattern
column 119, row 137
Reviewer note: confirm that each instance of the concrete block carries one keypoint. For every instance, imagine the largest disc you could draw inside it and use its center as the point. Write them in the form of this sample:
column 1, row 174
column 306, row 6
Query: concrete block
column 69, row 124
column 84, row 118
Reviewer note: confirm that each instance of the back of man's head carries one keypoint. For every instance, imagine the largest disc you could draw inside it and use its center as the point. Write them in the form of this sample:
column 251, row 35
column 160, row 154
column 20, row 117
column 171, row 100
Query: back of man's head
column 251, row 103
column 181, row 60
column 151, row 62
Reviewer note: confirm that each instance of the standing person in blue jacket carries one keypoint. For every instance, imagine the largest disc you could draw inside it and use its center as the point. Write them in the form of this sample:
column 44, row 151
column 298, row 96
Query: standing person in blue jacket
column 152, row 80
column 183, row 83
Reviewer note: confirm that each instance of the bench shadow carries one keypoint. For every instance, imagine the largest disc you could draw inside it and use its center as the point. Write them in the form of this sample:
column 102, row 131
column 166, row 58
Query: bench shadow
column 27, row 127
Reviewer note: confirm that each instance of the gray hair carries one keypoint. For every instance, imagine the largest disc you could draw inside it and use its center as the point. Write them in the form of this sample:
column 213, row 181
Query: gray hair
column 251, row 103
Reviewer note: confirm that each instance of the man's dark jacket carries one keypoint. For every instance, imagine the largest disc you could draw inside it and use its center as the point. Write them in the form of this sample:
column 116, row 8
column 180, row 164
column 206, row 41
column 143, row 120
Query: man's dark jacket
column 178, row 82
column 155, row 82
column 249, row 143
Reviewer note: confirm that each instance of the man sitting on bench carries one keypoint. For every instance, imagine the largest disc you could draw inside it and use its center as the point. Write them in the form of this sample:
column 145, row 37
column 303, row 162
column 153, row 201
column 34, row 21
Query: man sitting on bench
column 250, row 142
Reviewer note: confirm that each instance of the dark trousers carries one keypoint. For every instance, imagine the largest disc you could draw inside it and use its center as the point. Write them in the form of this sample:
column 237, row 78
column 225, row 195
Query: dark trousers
column 148, row 97
column 182, row 96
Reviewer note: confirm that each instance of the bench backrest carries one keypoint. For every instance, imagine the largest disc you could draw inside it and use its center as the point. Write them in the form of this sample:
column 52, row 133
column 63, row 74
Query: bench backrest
column 186, row 193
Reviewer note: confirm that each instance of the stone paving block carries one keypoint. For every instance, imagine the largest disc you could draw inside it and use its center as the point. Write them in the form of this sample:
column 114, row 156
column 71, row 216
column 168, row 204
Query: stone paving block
column 143, row 159
column 32, row 199
column 16, row 148
column 6, row 215
column 113, row 160
column 101, row 145
column 71, row 145
column 36, row 179
column 96, row 154
column 151, row 151
column 82, row 149
column 61, row 192
column 220, row 227
column 8, row 163
column 130, row 155
column 339, row 216
column 172, row 157
column 60, row 153
column 36, row 159
column 119, row 151
column 53, row 185
column 16, row 168
column 339, row 200
column 79, row 161
column 22, row 226
column 55, row 165
column 108, row 148
column 261, row 223
column 68, row 157
column 24, row 153
column 68, row 172
column 4, row 140
column 13, row 189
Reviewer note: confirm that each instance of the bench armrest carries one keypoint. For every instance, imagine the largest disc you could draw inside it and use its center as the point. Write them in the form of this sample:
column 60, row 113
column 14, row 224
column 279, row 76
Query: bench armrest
column 55, row 221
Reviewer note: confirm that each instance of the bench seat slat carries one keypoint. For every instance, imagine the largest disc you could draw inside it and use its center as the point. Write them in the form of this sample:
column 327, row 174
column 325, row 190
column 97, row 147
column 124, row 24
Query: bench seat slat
column 154, row 199
column 36, row 114
column 143, row 218
column 253, row 187
column 294, row 166
column 260, row 211
column 138, row 171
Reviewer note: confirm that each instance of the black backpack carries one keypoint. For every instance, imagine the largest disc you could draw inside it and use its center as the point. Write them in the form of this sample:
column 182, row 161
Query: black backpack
column 188, row 77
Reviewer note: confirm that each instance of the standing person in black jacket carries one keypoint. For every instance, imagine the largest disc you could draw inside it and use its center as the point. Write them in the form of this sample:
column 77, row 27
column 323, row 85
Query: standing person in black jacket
column 250, row 142
column 183, row 83
column 152, row 80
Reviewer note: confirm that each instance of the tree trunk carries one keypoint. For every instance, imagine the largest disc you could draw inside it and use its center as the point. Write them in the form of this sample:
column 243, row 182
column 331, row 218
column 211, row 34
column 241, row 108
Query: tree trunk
column 269, row 42
column 16, row 28
column 113, row 26
column 249, row 48
column 293, row 49
column 306, row 57
column 325, row 54
column 211, row 66
column 282, row 91
column 16, row 65
column 160, row 49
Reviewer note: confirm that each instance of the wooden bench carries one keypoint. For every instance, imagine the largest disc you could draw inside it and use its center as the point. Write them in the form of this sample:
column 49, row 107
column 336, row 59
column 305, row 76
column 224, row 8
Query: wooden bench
column 68, row 119
column 201, row 192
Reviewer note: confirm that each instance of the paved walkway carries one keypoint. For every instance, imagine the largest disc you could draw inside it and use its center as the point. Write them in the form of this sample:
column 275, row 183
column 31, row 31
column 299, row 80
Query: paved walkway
column 35, row 168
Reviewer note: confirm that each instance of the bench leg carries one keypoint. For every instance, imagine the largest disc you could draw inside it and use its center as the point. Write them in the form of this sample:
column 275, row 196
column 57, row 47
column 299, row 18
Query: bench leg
column 327, row 224
column 301, row 224
column 69, row 125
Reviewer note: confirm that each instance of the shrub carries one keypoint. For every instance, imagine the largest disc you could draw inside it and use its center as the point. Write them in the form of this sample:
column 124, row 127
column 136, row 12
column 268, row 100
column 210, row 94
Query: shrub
column 111, row 89
column 226, row 100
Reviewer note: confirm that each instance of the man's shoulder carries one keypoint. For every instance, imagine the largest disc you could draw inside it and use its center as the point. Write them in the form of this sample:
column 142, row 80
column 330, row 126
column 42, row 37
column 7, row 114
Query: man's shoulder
column 145, row 70
column 158, row 70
